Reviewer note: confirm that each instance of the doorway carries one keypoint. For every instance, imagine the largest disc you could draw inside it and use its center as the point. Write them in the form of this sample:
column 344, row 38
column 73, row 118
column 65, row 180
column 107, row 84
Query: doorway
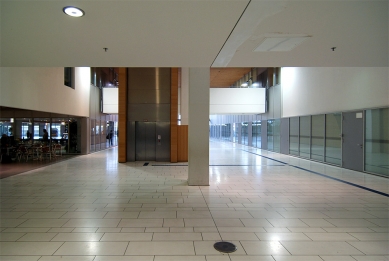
column 152, row 141
column 352, row 147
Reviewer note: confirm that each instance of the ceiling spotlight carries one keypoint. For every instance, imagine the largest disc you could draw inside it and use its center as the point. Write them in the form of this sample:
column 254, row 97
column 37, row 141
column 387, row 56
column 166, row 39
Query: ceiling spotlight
column 73, row 11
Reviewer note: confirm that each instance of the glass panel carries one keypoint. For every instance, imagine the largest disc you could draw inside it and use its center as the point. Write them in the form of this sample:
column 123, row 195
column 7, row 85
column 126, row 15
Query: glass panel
column 256, row 133
column 7, row 132
column 235, row 132
column 317, row 141
column 244, row 132
column 92, row 135
column 294, row 136
column 23, row 130
column 305, row 136
column 270, row 138
column 333, row 138
column 226, row 131
column 276, row 135
column 98, row 135
column 41, row 130
column 377, row 141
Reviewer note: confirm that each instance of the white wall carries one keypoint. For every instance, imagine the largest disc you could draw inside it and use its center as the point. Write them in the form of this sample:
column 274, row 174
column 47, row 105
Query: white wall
column 237, row 100
column 43, row 89
column 309, row 91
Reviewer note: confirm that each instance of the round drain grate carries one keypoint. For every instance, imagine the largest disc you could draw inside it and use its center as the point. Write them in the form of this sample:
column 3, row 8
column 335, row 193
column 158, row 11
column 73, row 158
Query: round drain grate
column 225, row 247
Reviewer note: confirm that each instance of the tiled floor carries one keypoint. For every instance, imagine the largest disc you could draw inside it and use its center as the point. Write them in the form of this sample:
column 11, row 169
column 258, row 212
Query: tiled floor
column 272, row 206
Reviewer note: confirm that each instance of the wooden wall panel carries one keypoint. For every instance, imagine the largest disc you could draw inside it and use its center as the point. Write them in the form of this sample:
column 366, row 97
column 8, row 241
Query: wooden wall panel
column 122, row 137
column 173, row 114
column 182, row 143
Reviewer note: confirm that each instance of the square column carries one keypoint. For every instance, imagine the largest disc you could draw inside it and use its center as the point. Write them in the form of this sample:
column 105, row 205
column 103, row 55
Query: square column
column 198, row 129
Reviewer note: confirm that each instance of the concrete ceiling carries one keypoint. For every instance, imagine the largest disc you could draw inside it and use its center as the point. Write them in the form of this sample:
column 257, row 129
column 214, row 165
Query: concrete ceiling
column 192, row 33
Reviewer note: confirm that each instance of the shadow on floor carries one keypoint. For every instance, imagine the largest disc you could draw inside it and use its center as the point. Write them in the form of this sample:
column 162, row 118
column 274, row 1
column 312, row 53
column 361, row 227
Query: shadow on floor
column 16, row 167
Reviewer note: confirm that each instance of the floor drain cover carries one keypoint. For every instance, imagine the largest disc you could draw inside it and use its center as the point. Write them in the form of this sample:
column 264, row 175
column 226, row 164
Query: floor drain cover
column 225, row 247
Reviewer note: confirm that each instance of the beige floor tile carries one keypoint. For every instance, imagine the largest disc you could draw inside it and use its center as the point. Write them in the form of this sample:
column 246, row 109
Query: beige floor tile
column 44, row 214
column 230, row 214
column 67, row 258
column 297, row 258
column 181, row 229
column 92, row 222
column 282, row 237
column 116, row 214
column 160, row 248
column 372, row 247
column 194, row 214
column 28, row 248
column 124, row 258
column 264, row 248
column 68, row 237
column 37, row 237
column 84, row 214
column 371, row 258
column 11, row 222
column 180, row 258
column 146, row 222
column 177, row 236
column 268, row 208
column 20, row 258
column 331, row 237
column 228, row 222
column 320, row 248
column 339, row 258
column 127, row 237
column 44, row 222
column 256, row 222
column 91, row 248
column 251, row 258
column 10, row 236
column 227, row 236
column 371, row 236
column 199, row 222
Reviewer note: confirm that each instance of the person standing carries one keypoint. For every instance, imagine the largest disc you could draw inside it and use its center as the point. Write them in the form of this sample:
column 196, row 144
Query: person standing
column 45, row 136
column 111, row 138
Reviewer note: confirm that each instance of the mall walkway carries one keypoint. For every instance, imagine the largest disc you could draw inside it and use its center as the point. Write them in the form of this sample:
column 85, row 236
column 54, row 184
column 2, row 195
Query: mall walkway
column 271, row 206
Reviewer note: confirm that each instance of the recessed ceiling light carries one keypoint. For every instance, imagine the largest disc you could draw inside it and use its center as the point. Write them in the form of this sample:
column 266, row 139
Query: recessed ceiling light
column 73, row 11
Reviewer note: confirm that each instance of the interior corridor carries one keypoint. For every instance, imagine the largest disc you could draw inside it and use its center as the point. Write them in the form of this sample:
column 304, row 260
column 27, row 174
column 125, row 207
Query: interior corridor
column 273, row 207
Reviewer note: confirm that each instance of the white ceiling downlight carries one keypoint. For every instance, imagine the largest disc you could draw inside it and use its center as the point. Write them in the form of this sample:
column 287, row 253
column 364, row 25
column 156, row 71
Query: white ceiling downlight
column 282, row 43
column 73, row 11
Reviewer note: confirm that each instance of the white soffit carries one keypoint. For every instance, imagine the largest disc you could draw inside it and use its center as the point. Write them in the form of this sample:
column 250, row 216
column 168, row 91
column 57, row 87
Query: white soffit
column 282, row 43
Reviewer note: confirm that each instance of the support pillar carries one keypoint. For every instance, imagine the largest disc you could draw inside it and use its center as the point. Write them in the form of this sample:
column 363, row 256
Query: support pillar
column 198, row 155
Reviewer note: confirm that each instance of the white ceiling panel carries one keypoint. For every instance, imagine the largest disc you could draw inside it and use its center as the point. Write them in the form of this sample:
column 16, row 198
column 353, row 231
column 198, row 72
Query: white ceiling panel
column 193, row 33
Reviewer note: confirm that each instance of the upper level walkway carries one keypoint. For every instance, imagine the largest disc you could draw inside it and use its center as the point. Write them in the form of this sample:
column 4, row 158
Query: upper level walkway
column 271, row 206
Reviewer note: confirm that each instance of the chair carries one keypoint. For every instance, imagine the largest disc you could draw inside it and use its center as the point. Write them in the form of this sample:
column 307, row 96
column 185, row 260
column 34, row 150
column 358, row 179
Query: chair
column 45, row 151
column 55, row 148
column 24, row 152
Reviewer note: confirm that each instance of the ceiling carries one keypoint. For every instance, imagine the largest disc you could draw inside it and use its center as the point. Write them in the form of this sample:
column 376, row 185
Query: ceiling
column 193, row 33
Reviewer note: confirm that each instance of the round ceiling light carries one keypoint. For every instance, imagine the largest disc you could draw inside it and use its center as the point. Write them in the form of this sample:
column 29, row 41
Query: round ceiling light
column 73, row 11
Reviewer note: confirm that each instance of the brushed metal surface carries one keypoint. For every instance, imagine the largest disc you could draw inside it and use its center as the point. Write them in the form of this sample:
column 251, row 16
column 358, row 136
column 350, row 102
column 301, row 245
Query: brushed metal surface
column 163, row 146
column 148, row 112
column 153, row 96
column 145, row 141
column 149, row 78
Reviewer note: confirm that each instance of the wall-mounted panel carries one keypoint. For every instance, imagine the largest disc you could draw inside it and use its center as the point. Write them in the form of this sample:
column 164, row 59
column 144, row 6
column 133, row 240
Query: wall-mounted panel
column 237, row 100
column 110, row 100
